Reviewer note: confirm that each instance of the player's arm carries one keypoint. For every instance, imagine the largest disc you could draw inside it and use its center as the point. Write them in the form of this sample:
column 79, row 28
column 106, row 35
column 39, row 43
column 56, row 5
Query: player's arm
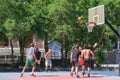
column 82, row 54
column 46, row 55
column 71, row 56
column 92, row 54
column 34, row 55
column 26, row 53
column 40, row 56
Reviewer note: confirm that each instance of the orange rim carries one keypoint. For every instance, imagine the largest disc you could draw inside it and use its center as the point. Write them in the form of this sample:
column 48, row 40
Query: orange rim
column 91, row 23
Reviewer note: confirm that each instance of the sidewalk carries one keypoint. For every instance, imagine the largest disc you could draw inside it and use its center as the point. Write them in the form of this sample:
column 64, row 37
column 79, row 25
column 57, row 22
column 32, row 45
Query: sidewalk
column 59, row 75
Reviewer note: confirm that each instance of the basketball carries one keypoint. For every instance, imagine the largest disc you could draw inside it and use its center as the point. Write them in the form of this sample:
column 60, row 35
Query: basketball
column 79, row 18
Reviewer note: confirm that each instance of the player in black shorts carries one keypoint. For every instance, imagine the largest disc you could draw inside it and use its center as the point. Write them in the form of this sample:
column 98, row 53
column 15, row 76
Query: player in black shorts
column 87, row 55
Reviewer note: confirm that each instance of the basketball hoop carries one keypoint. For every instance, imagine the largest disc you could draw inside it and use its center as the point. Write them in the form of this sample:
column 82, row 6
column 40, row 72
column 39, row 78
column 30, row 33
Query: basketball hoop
column 90, row 26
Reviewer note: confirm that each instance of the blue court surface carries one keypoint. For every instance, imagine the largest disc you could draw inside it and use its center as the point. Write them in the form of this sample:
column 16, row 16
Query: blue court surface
column 108, row 73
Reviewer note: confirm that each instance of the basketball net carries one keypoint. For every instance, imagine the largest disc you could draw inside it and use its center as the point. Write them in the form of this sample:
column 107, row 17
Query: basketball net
column 90, row 26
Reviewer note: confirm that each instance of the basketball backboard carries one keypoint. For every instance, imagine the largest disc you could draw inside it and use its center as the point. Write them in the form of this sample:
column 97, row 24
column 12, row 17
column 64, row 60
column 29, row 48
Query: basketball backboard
column 96, row 14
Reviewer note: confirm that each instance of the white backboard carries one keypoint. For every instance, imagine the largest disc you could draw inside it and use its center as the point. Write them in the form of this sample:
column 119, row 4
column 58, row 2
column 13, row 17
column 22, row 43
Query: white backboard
column 96, row 14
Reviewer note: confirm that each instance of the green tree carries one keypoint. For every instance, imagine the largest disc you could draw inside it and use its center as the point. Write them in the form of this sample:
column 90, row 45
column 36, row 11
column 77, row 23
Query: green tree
column 43, row 24
column 19, row 22
column 99, row 57
column 9, row 24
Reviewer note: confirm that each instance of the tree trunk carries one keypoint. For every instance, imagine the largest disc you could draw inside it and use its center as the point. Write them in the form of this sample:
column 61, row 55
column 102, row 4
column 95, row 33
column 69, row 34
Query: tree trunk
column 65, row 43
column 62, row 51
column 12, row 55
column 63, row 46
column 46, row 43
column 66, row 47
column 21, row 52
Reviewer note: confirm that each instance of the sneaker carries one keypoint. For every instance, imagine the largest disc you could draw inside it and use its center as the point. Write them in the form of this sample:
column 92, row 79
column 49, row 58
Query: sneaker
column 88, row 75
column 71, row 74
column 78, row 76
column 33, row 75
column 21, row 74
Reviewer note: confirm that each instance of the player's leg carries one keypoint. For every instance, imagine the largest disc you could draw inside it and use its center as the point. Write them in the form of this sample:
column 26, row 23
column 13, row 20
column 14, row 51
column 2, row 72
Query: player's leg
column 89, row 71
column 83, row 69
column 25, row 67
column 89, row 67
column 72, row 68
column 46, row 65
column 76, row 69
column 50, row 64
column 33, row 63
column 84, row 66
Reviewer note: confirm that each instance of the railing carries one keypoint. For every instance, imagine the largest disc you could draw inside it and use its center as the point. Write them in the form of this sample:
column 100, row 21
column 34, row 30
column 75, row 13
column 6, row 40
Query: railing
column 5, row 55
column 113, row 67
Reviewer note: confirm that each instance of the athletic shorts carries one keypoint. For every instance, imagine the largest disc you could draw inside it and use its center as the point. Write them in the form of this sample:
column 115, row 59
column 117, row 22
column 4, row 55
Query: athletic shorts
column 48, row 62
column 87, row 62
column 29, row 62
column 75, row 63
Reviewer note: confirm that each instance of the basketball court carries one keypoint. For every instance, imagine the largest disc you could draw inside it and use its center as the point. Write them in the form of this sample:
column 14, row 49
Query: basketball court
column 59, row 75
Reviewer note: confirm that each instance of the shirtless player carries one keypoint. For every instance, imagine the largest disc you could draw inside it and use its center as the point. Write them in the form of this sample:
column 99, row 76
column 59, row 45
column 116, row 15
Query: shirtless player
column 86, row 55
column 48, row 61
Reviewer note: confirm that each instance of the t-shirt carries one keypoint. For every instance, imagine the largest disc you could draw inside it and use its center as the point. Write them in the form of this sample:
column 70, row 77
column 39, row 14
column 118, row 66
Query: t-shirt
column 75, row 54
column 30, row 53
